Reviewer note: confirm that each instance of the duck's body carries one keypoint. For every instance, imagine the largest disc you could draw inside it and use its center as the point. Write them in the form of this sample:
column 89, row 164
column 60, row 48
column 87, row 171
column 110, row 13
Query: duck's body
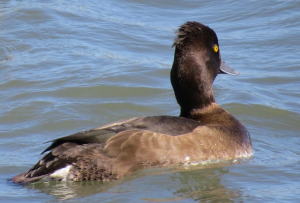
column 204, row 131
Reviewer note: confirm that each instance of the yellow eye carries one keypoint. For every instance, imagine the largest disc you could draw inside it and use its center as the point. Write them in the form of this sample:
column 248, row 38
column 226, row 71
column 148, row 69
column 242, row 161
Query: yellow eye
column 216, row 48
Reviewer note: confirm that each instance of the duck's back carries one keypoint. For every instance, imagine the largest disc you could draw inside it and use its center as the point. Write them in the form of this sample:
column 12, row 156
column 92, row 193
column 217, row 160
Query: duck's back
column 115, row 150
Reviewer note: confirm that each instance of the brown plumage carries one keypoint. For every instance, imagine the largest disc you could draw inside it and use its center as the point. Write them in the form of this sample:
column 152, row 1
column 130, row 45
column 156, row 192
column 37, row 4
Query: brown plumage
column 203, row 132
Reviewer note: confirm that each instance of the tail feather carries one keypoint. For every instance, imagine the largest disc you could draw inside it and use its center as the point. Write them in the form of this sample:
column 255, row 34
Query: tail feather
column 22, row 179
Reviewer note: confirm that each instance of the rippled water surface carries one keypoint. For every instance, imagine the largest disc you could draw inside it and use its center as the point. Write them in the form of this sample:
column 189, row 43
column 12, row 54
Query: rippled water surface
column 67, row 66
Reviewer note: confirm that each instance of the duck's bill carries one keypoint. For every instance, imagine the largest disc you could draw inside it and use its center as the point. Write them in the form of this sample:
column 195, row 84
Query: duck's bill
column 226, row 69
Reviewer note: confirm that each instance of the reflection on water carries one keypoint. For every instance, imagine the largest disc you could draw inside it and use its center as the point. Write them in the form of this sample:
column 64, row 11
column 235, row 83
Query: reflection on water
column 205, row 186
column 66, row 190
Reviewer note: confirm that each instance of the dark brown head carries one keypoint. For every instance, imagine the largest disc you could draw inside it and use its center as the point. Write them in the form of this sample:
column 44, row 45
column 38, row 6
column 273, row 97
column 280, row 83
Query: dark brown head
column 197, row 62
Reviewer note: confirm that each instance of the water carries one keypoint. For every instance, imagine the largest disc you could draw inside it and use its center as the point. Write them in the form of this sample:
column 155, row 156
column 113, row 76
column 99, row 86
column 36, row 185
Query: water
column 70, row 66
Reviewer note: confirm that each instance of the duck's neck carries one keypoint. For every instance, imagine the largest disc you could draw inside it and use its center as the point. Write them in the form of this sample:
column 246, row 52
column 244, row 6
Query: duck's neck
column 192, row 82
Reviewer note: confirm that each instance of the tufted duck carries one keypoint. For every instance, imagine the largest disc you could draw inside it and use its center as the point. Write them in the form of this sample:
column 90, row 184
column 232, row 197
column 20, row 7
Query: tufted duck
column 203, row 131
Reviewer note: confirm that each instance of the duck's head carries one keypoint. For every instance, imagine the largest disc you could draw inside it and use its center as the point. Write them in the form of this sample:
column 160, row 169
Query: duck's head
column 197, row 62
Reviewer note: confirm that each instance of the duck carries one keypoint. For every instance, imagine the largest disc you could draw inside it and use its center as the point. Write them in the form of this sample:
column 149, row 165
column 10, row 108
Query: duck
column 203, row 131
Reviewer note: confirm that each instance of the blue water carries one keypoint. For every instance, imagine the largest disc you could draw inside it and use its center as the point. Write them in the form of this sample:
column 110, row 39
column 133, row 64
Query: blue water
column 67, row 66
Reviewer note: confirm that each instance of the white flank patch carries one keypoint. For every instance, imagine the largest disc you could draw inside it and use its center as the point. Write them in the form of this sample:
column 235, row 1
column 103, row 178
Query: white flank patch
column 61, row 173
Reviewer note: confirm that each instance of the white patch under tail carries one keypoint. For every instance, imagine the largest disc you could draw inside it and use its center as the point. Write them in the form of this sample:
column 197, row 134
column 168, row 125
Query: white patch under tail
column 61, row 174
